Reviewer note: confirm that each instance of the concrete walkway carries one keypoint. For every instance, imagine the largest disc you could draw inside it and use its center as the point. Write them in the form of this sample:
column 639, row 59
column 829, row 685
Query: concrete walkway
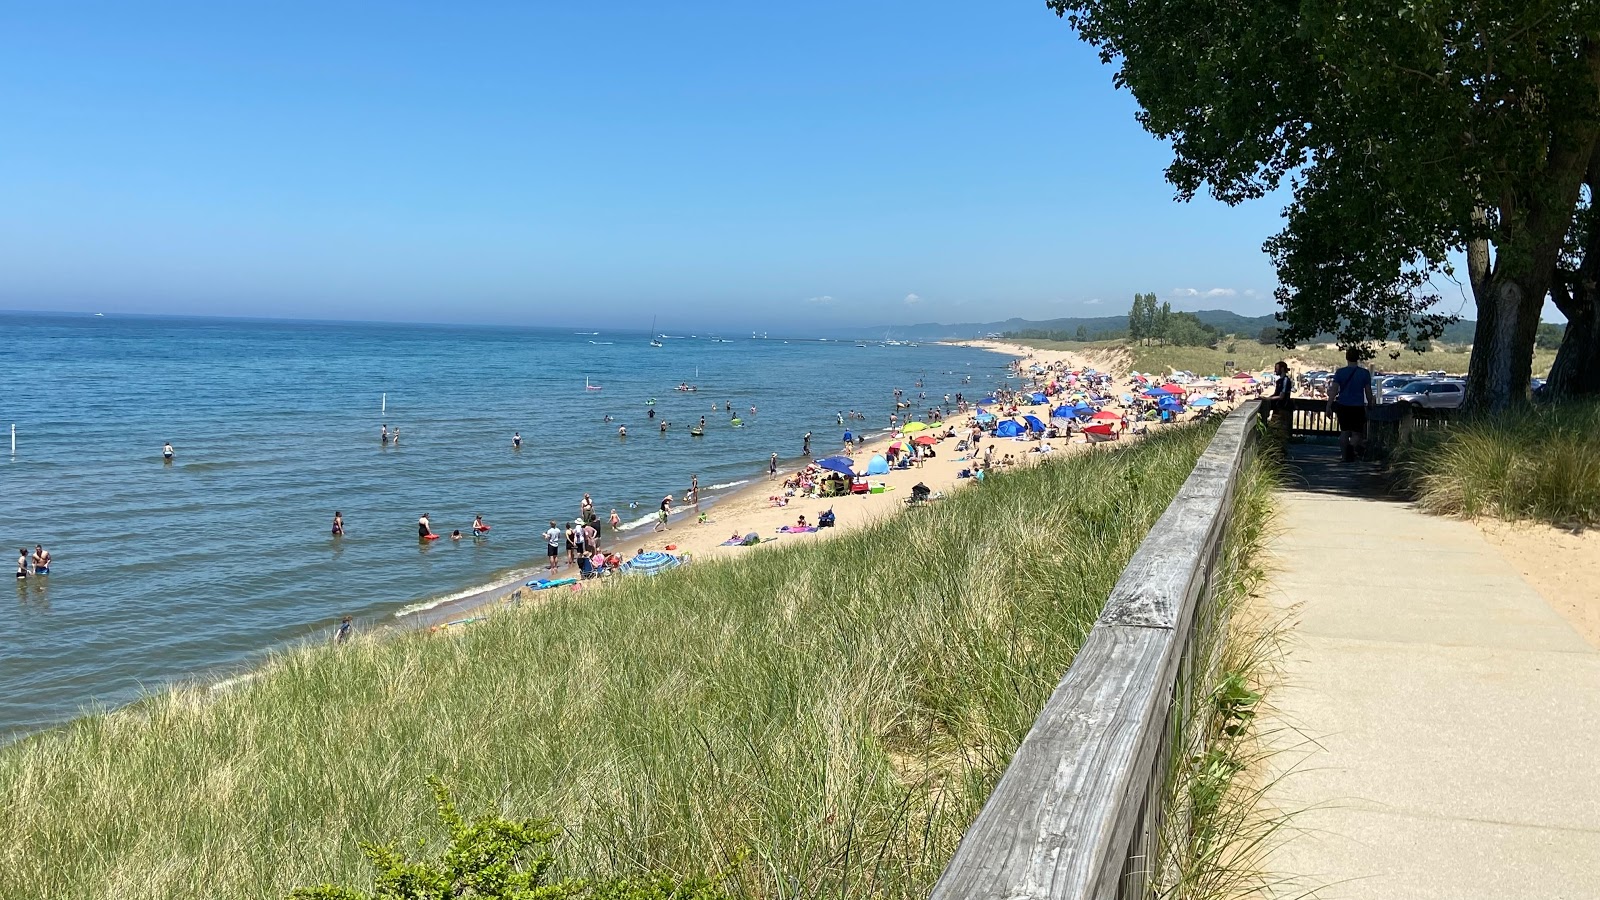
column 1455, row 717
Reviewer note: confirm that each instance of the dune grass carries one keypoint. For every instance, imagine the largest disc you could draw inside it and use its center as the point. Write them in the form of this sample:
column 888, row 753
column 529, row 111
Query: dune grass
column 1252, row 356
column 812, row 719
column 1536, row 463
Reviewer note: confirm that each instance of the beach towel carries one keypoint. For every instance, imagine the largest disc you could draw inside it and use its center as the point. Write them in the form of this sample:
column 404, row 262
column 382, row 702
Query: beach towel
column 792, row 529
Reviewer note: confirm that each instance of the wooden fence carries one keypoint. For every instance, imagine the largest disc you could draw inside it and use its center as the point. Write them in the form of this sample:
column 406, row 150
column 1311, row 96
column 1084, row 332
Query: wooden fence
column 1079, row 811
column 1388, row 425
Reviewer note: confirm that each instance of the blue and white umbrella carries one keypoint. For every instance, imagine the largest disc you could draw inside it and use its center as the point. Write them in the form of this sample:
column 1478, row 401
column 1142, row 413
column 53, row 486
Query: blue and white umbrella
column 651, row 562
column 1203, row 401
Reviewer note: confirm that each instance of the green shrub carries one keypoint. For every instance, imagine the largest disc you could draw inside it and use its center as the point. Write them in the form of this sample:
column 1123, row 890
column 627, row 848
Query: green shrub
column 1538, row 463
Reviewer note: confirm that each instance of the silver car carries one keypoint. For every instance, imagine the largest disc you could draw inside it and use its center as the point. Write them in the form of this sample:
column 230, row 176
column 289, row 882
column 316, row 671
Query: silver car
column 1434, row 395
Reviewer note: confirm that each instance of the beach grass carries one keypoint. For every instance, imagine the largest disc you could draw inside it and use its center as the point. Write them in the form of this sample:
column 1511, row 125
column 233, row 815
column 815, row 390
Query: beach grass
column 816, row 718
column 1534, row 463
column 1251, row 356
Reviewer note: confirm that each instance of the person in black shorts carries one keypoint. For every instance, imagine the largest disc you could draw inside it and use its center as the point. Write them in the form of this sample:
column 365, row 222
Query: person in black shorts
column 1349, row 395
column 553, row 539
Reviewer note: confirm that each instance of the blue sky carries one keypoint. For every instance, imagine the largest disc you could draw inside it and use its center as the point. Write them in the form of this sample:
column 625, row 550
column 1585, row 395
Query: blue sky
column 754, row 164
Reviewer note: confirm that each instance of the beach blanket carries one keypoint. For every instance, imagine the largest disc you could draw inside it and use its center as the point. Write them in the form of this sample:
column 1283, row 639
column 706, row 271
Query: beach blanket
column 746, row 542
column 547, row 583
column 792, row 529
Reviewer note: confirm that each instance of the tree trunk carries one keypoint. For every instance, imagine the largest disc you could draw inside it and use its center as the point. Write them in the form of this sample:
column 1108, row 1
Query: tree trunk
column 1502, row 344
column 1576, row 372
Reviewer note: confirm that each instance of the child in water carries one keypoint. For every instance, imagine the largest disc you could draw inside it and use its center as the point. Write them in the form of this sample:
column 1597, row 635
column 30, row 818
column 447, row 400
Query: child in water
column 455, row 535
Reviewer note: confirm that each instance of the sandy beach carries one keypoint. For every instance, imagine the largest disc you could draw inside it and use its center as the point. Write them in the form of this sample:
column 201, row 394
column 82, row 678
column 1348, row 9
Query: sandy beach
column 751, row 509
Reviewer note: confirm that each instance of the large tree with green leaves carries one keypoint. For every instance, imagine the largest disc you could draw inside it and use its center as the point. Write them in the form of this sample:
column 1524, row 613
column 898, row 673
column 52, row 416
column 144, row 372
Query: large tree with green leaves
column 1412, row 132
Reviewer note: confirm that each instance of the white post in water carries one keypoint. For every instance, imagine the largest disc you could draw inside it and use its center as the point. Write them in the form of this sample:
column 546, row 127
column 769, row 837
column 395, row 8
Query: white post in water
column 13, row 439
column 383, row 407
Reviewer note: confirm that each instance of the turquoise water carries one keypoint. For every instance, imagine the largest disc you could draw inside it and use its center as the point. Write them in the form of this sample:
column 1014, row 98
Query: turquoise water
column 167, row 570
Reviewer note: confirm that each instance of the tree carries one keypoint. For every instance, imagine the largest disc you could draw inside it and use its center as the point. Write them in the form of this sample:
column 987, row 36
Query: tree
column 1163, row 317
column 1576, row 293
column 1136, row 320
column 1269, row 335
column 1083, row 333
column 1409, row 132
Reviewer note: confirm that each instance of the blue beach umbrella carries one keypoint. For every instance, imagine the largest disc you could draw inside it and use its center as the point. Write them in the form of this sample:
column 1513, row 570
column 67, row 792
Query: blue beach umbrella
column 1033, row 423
column 1064, row 412
column 1203, row 401
column 844, row 465
column 1039, row 397
column 651, row 562
column 1170, row 405
column 988, row 400
column 985, row 417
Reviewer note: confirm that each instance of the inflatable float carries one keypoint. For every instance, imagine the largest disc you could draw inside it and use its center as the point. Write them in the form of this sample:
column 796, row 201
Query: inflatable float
column 544, row 584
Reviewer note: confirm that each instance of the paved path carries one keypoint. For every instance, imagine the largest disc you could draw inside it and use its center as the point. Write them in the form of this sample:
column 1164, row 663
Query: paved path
column 1456, row 716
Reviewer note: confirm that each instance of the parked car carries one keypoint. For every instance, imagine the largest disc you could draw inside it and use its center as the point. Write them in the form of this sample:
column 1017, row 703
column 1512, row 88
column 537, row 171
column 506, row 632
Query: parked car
column 1434, row 395
column 1389, row 393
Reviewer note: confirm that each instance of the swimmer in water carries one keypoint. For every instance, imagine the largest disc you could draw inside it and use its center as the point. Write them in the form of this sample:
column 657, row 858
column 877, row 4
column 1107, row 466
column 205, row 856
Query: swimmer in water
column 616, row 521
column 41, row 560
column 664, row 427
column 651, row 413
column 478, row 525
column 424, row 527
column 383, row 436
column 516, row 440
column 166, row 451
column 622, row 431
column 338, row 523
column 455, row 535
column 608, row 417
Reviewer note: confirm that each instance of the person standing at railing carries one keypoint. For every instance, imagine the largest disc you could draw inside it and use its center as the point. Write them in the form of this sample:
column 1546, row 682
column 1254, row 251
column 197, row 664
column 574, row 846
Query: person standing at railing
column 1279, row 402
column 1349, row 395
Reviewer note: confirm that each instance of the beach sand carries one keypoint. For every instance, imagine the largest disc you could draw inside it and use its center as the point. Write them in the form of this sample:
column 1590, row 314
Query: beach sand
column 750, row 510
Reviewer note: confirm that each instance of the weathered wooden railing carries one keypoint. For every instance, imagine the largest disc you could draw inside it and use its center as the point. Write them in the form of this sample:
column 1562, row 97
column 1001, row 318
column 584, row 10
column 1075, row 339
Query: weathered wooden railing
column 1079, row 811
column 1388, row 425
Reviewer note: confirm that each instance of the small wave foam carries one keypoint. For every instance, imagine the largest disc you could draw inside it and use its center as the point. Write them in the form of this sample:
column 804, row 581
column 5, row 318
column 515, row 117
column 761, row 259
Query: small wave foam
column 434, row 602
column 642, row 520
column 727, row 484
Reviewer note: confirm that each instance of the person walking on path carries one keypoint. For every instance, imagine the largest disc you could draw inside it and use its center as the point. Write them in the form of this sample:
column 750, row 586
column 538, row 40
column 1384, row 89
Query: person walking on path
column 553, row 539
column 1349, row 395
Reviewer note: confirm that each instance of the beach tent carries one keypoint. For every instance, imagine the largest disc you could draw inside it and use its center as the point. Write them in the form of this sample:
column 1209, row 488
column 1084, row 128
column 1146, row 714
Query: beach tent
column 984, row 416
column 844, row 465
column 651, row 562
column 1038, row 397
column 1008, row 428
column 1096, row 434
column 1203, row 401
column 878, row 465
column 988, row 400
column 1067, row 411
column 1033, row 423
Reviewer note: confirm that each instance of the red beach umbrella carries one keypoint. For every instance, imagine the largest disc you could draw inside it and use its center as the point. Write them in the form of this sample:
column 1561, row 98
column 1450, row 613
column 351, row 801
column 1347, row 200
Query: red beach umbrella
column 1106, row 416
column 925, row 440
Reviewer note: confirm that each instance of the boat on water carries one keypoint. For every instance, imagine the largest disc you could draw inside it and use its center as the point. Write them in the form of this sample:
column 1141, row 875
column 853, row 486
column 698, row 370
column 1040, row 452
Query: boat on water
column 589, row 387
column 655, row 339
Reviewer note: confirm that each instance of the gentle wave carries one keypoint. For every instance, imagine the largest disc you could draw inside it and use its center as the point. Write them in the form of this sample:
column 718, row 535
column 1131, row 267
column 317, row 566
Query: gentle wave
column 435, row 602
column 728, row 484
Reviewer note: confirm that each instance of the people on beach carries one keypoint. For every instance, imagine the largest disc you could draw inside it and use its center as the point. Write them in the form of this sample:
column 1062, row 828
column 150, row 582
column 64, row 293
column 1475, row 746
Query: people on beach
column 166, row 451
column 805, row 445
column 616, row 520
column 552, row 540
column 663, row 512
column 346, row 626
column 572, row 545
column 772, row 467
column 516, row 440
column 424, row 527
column 41, row 560
column 586, row 508
column 338, row 523
column 694, row 490
column 591, row 536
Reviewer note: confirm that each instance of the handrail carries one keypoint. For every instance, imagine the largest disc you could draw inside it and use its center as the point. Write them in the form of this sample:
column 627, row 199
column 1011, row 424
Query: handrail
column 1078, row 812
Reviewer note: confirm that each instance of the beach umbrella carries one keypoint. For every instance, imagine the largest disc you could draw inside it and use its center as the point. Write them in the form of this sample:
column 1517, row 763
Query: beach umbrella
column 914, row 427
column 1107, row 417
column 651, row 562
column 924, row 440
column 988, row 400
column 985, row 417
column 1033, row 423
column 1203, row 401
column 894, row 446
column 844, row 465
column 1064, row 412
column 1171, row 388
column 1245, row 375
column 1170, row 405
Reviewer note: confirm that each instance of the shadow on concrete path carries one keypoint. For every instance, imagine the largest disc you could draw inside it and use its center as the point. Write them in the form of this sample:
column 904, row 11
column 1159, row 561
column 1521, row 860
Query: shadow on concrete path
column 1314, row 466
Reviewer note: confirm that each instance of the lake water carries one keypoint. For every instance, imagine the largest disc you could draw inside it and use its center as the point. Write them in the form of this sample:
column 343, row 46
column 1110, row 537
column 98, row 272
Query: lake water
column 164, row 570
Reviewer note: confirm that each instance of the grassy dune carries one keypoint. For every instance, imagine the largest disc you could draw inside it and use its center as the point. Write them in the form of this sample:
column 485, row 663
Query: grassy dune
column 814, row 719
column 1252, row 356
column 1538, row 463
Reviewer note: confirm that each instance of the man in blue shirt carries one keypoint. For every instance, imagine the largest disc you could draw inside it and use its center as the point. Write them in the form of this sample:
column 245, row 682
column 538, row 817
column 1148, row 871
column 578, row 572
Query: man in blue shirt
column 1349, row 395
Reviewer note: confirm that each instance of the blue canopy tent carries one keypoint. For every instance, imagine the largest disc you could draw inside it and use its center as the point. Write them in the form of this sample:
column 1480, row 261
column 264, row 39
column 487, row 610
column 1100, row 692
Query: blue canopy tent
column 1008, row 428
column 1203, row 401
column 1033, row 423
column 1064, row 412
column 844, row 465
column 878, row 465
column 1170, row 405
column 982, row 417
column 1038, row 397
column 988, row 400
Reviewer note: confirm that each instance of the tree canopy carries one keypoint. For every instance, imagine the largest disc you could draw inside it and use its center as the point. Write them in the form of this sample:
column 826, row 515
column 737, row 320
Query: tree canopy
column 1411, row 132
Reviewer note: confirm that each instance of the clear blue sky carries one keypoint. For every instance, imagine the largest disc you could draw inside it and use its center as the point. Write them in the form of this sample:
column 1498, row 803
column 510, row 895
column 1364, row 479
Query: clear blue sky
column 755, row 164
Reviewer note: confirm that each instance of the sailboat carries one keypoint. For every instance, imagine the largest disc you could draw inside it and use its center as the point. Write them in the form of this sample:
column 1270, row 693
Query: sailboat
column 654, row 341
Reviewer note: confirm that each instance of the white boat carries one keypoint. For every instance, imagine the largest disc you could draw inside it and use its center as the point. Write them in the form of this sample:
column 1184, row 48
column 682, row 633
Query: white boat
column 654, row 340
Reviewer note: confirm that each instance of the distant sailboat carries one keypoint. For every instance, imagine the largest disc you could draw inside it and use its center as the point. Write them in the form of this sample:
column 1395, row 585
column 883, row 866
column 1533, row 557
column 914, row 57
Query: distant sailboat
column 654, row 341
